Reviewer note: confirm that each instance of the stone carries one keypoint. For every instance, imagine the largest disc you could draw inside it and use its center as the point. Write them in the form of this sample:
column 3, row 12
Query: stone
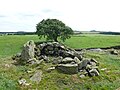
column 23, row 82
column 50, row 69
column 77, row 60
column 94, row 72
column 83, row 72
column 68, row 68
column 89, row 67
column 34, row 61
column 28, row 51
column 82, row 76
column 103, row 69
column 79, row 56
column 46, row 59
column 8, row 65
column 94, row 62
column 67, row 60
column 114, row 52
column 18, row 55
column 96, row 50
column 37, row 52
column 83, row 64
column 57, row 60
column 36, row 77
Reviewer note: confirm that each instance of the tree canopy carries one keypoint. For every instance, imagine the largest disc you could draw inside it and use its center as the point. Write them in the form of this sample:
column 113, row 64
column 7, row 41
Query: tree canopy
column 52, row 29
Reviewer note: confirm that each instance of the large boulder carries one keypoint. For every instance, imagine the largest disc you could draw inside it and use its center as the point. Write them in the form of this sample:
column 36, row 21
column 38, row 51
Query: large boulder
column 28, row 51
column 68, row 68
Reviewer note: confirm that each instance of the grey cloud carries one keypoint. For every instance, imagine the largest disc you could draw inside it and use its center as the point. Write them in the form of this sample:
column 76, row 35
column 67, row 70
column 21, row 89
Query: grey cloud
column 51, row 12
column 28, row 15
column 1, row 16
column 47, row 11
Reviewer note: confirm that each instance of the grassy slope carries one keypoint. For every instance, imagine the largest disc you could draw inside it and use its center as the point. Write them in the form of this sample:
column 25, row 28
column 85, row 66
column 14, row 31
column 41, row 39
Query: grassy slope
column 108, row 79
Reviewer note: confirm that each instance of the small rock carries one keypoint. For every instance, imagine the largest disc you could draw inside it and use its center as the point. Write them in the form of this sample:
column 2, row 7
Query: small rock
column 8, row 65
column 46, row 59
column 18, row 55
column 79, row 56
column 50, row 69
column 23, row 82
column 83, row 72
column 103, row 69
column 94, row 72
column 93, row 60
column 83, row 64
column 77, row 60
column 36, row 77
column 82, row 76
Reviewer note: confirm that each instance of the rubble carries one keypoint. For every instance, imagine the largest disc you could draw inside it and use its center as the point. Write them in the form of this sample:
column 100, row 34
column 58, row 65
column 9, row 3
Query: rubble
column 65, row 59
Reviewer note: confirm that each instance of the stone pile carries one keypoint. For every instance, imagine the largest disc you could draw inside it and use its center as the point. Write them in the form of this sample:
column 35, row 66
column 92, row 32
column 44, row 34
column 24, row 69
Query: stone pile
column 65, row 59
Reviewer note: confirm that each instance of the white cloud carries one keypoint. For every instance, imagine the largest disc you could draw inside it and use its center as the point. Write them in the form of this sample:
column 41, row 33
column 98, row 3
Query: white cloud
column 102, row 15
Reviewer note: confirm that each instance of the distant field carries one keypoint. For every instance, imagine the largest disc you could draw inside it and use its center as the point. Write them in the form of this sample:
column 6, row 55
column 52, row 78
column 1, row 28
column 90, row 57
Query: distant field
column 93, row 40
column 12, row 44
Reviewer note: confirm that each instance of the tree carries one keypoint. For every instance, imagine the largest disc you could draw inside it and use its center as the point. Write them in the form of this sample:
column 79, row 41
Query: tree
column 52, row 29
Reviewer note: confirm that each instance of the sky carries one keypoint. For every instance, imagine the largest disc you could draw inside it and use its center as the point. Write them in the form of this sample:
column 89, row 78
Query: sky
column 80, row 15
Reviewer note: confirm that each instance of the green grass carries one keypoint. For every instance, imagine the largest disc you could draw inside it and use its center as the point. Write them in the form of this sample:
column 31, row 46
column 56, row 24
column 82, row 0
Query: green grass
column 92, row 41
column 12, row 44
column 108, row 79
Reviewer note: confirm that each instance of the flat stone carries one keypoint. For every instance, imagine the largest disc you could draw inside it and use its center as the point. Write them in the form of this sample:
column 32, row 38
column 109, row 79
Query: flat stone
column 67, row 60
column 96, row 50
column 68, row 68
column 50, row 69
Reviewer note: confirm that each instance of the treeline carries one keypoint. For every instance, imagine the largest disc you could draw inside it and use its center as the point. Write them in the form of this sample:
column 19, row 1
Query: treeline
column 75, row 32
column 110, row 33
column 17, row 33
